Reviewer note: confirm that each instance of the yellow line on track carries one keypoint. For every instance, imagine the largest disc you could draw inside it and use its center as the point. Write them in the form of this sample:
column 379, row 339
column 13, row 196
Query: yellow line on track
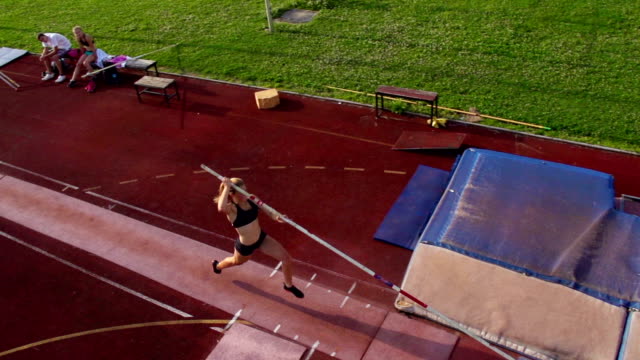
column 395, row 172
column 164, row 176
column 118, row 328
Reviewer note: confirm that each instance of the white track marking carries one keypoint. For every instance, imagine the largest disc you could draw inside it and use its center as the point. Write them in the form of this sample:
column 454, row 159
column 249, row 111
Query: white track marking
column 353, row 169
column 96, row 276
column 344, row 302
column 352, row 288
column 276, row 269
column 128, row 181
column 91, row 188
column 313, row 349
column 275, row 331
column 158, row 215
column 235, row 317
column 38, row 175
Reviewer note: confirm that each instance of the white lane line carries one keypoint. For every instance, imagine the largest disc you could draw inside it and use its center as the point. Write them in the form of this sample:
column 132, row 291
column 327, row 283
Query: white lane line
column 158, row 215
column 353, row 169
column 65, row 189
column 239, row 169
column 315, row 167
column 275, row 331
column 96, row 276
column 235, row 317
column 313, row 349
column 276, row 167
column 38, row 175
column 164, row 176
column 395, row 172
column 276, row 269
column 128, row 181
column 295, row 337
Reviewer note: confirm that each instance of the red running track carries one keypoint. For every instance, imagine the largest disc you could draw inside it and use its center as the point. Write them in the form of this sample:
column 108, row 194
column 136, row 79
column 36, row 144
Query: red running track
column 327, row 165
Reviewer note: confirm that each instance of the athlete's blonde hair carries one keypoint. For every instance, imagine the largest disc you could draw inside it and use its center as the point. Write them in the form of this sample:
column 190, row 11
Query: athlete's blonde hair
column 235, row 181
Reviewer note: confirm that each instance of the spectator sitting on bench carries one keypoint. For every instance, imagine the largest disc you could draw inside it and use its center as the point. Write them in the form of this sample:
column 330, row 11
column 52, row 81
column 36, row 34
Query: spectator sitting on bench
column 88, row 46
column 54, row 46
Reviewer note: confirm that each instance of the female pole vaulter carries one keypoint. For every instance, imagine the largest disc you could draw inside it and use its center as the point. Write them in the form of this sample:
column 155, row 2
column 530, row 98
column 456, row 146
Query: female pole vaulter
column 243, row 215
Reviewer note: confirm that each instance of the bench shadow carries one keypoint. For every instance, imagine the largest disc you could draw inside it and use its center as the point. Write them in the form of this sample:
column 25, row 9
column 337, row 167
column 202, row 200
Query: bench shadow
column 388, row 336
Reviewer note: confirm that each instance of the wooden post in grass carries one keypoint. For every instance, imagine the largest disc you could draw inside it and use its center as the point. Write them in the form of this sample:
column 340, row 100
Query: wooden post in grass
column 267, row 4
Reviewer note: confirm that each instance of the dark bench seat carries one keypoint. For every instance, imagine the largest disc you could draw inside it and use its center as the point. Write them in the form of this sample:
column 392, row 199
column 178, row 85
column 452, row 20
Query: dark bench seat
column 428, row 97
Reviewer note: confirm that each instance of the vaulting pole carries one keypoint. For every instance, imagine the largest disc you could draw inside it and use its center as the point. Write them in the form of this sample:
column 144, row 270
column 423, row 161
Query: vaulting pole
column 134, row 58
column 396, row 288
column 9, row 81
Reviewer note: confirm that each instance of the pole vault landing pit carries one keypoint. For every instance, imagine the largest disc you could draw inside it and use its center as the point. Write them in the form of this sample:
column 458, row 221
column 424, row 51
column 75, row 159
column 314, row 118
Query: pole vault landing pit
column 297, row 16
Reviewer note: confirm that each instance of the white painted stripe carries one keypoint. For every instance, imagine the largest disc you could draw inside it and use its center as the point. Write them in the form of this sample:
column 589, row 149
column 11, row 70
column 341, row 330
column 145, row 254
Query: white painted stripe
column 315, row 167
column 395, row 172
column 164, row 176
column 368, row 306
column 275, row 331
column 158, row 215
column 352, row 288
column 313, row 276
column 235, row 317
column 276, row 167
column 96, row 276
column 38, row 175
column 91, row 188
column 276, row 269
column 238, row 169
column 65, row 189
column 353, row 169
column 128, row 181
column 344, row 302
column 333, row 354
column 295, row 337
column 313, row 349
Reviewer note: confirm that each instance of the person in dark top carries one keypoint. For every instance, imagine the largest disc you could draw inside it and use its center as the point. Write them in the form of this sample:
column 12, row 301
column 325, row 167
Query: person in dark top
column 89, row 50
column 243, row 215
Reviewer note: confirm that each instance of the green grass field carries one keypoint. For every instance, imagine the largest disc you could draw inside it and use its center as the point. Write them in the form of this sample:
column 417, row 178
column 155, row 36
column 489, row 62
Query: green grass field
column 569, row 65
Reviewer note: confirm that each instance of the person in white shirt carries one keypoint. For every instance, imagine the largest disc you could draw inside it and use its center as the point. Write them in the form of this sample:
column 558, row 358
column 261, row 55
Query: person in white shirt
column 54, row 47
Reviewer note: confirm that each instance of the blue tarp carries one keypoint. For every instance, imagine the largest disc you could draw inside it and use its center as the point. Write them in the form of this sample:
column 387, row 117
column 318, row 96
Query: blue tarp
column 553, row 221
column 409, row 214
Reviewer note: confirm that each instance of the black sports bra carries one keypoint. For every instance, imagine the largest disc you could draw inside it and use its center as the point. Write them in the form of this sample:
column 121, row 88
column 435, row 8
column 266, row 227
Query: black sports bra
column 244, row 217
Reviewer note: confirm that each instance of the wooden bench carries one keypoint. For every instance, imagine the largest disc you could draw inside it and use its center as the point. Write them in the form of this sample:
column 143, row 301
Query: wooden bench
column 428, row 97
column 142, row 64
column 148, row 85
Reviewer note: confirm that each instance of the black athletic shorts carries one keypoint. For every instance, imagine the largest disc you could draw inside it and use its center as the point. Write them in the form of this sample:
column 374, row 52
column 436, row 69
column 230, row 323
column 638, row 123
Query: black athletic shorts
column 246, row 250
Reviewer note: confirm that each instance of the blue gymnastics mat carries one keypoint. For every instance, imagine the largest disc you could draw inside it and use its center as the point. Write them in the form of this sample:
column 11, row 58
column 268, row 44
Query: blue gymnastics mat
column 408, row 216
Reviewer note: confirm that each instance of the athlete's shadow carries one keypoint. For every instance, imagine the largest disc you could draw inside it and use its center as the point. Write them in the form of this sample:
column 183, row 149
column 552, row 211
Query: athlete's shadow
column 390, row 337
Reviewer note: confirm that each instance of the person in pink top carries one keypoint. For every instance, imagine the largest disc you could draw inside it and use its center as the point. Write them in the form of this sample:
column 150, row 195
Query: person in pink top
column 54, row 47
